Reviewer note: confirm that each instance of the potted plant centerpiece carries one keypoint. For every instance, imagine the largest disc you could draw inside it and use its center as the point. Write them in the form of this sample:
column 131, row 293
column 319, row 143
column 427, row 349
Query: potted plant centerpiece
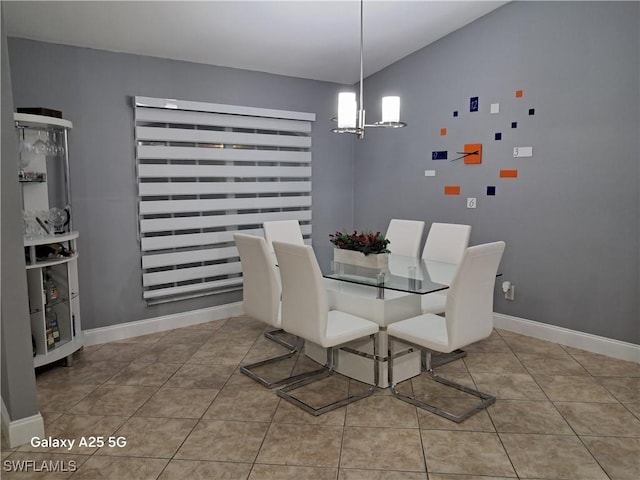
column 366, row 249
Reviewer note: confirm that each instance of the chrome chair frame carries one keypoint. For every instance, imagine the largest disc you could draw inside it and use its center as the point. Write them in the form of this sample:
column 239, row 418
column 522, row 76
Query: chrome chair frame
column 248, row 369
column 485, row 398
column 272, row 335
column 444, row 358
column 328, row 370
column 261, row 299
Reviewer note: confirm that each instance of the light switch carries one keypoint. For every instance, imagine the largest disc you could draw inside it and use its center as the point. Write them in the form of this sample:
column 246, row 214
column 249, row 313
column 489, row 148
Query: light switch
column 471, row 203
column 519, row 152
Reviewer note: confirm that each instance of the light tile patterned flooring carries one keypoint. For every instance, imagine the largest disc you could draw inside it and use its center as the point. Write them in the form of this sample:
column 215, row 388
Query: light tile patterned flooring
column 187, row 412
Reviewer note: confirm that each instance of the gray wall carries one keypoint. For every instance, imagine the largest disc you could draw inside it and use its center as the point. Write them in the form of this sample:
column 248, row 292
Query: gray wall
column 571, row 219
column 94, row 89
column 18, row 378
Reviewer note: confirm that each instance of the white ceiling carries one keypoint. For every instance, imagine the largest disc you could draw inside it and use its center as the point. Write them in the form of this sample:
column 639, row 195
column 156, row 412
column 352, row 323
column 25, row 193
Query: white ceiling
column 303, row 38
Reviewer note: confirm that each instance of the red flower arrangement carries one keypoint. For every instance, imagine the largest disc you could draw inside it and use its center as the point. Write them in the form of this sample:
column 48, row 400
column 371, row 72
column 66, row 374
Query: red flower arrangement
column 365, row 242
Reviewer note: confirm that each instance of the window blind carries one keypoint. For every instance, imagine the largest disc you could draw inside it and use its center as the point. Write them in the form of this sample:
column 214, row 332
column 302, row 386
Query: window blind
column 204, row 172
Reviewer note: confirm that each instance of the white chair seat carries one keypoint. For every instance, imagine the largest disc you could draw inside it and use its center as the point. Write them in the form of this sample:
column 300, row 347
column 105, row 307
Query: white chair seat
column 413, row 330
column 343, row 327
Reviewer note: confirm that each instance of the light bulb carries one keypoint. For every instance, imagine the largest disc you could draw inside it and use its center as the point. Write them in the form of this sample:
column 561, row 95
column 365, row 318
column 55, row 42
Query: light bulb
column 390, row 109
column 347, row 108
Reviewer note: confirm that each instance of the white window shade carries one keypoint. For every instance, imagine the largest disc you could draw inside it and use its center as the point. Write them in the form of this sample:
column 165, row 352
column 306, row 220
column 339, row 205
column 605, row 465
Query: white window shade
column 206, row 171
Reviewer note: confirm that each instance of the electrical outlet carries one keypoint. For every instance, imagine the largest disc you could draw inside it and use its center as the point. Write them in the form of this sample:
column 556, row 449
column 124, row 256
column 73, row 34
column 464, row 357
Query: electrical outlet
column 471, row 203
column 510, row 294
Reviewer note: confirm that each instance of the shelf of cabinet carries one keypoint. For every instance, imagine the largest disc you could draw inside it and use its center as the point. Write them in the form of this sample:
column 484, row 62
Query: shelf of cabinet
column 57, row 301
column 40, row 121
column 31, row 257
column 26, row 182
column 51, row 261
column 49, row 239
column 52, row 304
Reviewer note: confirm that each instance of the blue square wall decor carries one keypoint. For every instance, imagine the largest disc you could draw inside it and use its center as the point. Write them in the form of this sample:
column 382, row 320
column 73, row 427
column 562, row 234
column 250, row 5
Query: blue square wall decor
column 498, row 136
column 455, row 113
column 532, row 111
column 442, row 155
column 514, row 124
column 473, row 104
column 491, row 190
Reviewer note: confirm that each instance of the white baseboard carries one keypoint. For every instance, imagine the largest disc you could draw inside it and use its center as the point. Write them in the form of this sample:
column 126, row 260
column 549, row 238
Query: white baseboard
column 19, row 432
column 122, row 331
column 564, row 336
column 571, row 338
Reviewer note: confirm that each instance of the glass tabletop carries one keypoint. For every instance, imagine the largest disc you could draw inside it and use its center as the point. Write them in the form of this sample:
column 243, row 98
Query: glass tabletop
column 404, row 274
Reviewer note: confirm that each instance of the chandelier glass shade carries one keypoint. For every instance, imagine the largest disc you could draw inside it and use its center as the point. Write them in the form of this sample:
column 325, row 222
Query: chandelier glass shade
column 351, row 115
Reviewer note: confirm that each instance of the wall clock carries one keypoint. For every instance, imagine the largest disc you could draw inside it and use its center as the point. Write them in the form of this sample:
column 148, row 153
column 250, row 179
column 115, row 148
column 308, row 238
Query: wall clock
column 471, row 153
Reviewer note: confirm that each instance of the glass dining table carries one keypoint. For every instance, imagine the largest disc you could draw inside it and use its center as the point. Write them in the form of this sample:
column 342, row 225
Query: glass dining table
column 402, row 274
column 384, row 295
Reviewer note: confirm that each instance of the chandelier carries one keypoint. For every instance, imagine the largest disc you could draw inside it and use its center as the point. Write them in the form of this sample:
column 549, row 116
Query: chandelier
column 351, row 113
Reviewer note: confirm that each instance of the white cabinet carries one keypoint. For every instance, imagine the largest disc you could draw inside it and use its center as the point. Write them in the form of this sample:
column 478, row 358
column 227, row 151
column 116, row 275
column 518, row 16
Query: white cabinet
column 49, row 242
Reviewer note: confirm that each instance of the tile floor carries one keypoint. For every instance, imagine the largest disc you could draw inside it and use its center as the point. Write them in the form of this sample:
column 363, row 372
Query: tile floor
column 187, row 412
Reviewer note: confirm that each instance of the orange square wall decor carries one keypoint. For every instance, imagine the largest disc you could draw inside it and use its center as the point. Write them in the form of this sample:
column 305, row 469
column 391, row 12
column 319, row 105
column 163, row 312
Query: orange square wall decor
column 452, row 189
column 473, row 153
column 443, row 131
column 508, row 173
column 518, row 93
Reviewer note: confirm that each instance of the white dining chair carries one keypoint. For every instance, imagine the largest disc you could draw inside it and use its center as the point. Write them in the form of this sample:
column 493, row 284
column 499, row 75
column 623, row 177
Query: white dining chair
column 468, row 318
column 446, row 242
column 282, row 231
column 261, row 298
column 405, row 237
column 305, row 313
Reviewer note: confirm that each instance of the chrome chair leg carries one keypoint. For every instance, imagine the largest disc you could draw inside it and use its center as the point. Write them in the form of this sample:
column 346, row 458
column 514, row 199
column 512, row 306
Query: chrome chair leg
column 272, row 335
column 485, row 398
column 445, row 358
column 325, row 372
column 248, row 370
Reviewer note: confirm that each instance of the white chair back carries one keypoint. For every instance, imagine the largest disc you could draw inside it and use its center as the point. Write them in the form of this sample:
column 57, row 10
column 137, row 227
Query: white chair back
column 261, row 286
column 304, row 296
column 282, row 231
column 469, row 308
column 446, row 242
column 405, row 237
